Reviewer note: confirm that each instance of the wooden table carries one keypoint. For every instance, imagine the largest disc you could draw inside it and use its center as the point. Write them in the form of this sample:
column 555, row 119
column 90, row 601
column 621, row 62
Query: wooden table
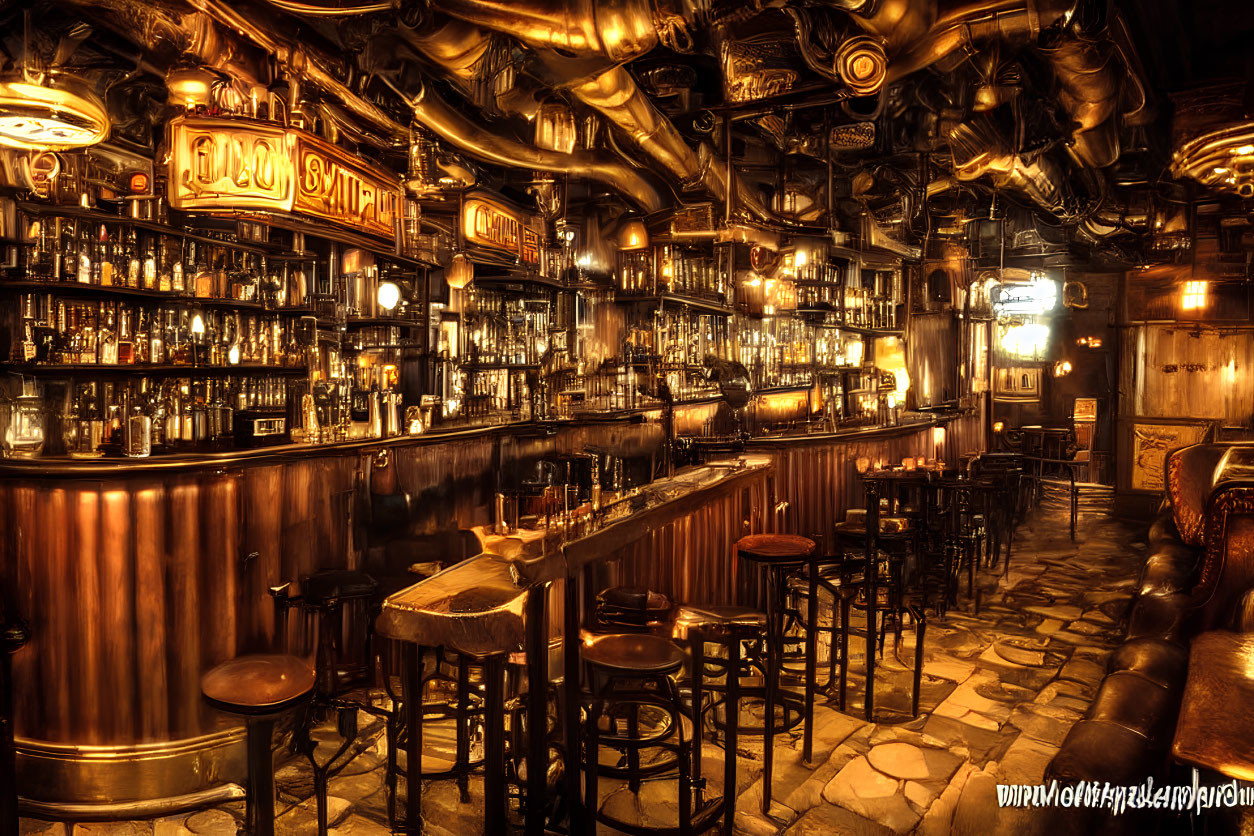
column 1216, row 729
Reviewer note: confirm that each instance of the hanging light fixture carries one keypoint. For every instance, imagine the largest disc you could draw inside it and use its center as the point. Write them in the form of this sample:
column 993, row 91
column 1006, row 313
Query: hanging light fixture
column 50, row 113
column 189, row 85
column 632, row 234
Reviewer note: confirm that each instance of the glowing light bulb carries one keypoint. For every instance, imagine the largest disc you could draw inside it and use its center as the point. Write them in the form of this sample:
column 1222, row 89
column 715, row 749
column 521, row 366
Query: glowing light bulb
column 198, row 325
column 388, row 295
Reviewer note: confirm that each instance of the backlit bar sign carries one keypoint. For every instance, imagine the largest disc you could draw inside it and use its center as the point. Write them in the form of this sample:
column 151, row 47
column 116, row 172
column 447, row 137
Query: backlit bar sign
column 491, row 224
column 224, row 164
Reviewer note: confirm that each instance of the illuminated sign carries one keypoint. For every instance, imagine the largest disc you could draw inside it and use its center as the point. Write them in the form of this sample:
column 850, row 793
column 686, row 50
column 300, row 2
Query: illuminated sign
column 491, row 224
column 224, row 164
column 337, row 187
column 1039, row 296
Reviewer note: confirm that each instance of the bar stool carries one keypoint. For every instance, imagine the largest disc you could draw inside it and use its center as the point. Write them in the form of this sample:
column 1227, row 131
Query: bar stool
column 626, row 609
column 777, row 555
column 476, row 609
column 730, row 627
column 260, row 688
column 637, row 670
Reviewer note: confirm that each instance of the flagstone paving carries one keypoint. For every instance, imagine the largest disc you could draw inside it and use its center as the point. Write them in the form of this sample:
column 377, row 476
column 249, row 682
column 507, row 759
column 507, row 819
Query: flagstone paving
column 1000, row 689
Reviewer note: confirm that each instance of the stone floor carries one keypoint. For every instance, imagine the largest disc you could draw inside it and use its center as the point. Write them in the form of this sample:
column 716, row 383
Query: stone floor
column 1000, row 690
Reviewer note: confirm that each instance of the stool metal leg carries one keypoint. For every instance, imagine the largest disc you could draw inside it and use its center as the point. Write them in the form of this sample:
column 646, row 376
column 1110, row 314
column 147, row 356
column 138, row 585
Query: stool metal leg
column 591, row 758
column 494, row 801
column 772, row 686
column 411, row 690
column 698, row 727
column 581, row 817
column 731, row 709
column 462, row 736
column 812, row 629
column 260, row 777
column 845, row 602
column 872, row 593
column 920, row 629
column 537, row 709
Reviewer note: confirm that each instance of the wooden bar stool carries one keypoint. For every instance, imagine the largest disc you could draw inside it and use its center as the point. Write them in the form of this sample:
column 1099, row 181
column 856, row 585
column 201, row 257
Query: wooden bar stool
column 259, row 687
column 627, row 672
column 777, row 555
column 477, row 609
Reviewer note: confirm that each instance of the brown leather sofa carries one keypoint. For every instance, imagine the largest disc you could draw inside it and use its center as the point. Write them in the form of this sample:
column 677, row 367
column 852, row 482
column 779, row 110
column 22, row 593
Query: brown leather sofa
column 1200, row 564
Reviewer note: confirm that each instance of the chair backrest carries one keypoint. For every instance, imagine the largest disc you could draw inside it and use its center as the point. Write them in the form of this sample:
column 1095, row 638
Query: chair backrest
column 1227, row 564
column 1190, row 480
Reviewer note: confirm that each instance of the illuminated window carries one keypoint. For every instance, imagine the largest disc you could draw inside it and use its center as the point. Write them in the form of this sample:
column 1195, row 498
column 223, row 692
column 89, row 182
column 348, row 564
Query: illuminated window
column 1193, row 297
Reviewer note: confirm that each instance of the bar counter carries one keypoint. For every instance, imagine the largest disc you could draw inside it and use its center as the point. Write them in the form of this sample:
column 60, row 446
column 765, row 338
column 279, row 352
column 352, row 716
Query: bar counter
column 138, row 575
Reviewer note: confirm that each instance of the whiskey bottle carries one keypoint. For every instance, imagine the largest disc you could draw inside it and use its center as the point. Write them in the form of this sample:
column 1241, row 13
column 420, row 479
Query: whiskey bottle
column 102, row 267
column 83, row 254
column 177, row 283
column 136, row 271
column 107, row 336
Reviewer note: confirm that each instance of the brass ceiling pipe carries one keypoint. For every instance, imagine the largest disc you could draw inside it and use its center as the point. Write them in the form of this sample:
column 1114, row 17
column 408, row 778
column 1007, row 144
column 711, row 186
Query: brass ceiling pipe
column 437, row 117
column 618, row 30
column 456, row 45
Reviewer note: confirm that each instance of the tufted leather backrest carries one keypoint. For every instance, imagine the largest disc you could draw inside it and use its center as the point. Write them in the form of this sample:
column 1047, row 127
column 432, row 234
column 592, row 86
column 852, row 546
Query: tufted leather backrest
column 1190, row 479
column 1227, row 565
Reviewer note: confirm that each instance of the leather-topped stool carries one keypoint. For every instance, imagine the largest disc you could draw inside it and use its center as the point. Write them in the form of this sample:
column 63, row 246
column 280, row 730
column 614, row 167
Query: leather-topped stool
column 259, row 687
column 625, row 609
column 777, row 555
column 635, row 670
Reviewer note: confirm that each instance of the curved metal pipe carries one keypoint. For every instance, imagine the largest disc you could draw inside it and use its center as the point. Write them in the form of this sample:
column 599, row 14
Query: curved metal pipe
column 448, row 124
column 1090, row 89
column 619, row 30
column 980, row 149
column 436, row 116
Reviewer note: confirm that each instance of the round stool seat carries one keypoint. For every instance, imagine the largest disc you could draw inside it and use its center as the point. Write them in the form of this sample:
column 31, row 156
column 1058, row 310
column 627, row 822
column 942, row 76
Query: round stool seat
column 260, row 683
column 771, row 548
column 324, row 587
column 639, row 653
column 716, row 617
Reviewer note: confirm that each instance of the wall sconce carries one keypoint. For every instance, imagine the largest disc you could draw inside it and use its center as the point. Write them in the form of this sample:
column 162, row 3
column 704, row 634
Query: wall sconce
column 1062, row 368
column 54, row 114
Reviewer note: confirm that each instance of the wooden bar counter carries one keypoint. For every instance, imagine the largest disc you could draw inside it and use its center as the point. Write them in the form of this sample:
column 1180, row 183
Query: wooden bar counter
column 137, row 576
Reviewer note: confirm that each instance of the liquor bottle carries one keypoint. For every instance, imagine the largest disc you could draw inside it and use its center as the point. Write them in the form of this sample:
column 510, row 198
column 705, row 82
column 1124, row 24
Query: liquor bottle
column 83, row 254
column 136, row 270
column 126, row 335
column 107, row 336
column 162, row 265
column 178, row 339
column 156, row 338
column 102, row 267
column 177, row 283
column 137, row 439
column 204, row 280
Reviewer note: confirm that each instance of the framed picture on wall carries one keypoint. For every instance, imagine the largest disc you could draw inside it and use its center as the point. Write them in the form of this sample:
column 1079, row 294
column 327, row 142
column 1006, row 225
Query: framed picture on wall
column 1085, row 409
column 1017, row 383
column 1150, row 444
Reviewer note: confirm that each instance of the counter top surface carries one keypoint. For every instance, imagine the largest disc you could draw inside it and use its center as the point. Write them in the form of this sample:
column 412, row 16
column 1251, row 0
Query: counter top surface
column 104, row 467
column 542, row 555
